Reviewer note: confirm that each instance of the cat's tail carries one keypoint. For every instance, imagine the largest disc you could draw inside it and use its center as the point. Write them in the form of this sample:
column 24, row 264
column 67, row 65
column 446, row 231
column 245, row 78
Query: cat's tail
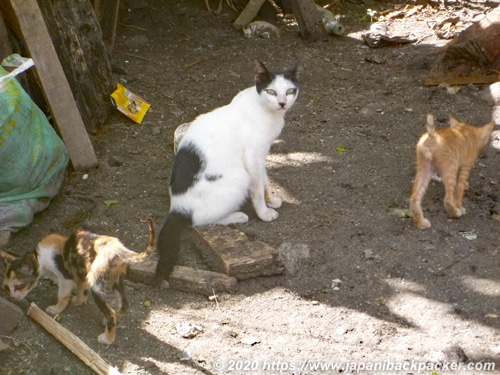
column 431, row 129
column 140, row 257
column 169, row 243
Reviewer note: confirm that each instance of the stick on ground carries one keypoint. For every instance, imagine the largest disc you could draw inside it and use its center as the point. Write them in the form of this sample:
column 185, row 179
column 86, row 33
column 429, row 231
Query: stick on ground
column 72, row 342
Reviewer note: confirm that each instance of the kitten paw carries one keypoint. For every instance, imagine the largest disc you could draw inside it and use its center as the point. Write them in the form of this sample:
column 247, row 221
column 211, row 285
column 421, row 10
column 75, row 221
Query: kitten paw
column 423, row 224
column 104, row 339
column 274, row 201
column 268, row 215
column 53, row 310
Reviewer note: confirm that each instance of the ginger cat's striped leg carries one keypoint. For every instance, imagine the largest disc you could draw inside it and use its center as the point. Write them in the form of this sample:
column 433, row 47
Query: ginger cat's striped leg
column 450, row 182
column 462, row 185
column 422, row 179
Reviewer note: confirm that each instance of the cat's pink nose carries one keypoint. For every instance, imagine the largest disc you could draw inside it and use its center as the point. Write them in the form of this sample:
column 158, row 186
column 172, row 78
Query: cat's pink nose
column 282, row 105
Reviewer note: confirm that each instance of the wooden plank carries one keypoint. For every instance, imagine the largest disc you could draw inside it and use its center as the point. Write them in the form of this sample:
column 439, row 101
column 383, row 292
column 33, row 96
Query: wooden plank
column 72, row 342
column 11, row 315
column 238, row 256
column 251, row 259
column 186, row 279
column 54, row 84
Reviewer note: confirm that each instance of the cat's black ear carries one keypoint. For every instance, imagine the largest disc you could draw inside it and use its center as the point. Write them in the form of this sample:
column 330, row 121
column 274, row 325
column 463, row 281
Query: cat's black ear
column 262, row 76
column 292, row 73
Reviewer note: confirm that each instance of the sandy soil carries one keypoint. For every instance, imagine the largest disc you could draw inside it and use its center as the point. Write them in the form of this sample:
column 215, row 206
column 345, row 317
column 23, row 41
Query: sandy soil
column 362, row 284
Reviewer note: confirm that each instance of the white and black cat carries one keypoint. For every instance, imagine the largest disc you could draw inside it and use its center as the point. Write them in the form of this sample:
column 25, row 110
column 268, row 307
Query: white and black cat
column 220, row 161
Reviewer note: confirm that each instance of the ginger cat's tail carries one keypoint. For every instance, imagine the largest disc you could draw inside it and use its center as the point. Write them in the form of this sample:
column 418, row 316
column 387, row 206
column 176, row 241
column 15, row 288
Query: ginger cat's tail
column 431, row 129
column 139, row 257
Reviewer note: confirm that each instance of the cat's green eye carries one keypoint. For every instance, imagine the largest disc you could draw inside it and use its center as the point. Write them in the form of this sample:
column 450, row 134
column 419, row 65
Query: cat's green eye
column 291, row 91
column 270, row 92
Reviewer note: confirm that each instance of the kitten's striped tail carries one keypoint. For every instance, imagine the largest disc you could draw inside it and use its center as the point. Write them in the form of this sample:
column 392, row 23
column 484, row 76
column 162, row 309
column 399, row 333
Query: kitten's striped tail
column 169, row 243
column 431, row 129
column 139, row 257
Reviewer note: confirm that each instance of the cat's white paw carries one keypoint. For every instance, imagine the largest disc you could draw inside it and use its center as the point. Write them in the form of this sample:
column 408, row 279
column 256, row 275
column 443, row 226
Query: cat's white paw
column 268, row 215
column 53, row 310
column 104, row 339
column 274, row 201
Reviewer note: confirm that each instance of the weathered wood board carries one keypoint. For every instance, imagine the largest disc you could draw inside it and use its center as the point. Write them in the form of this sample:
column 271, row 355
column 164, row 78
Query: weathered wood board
column 186, row 279
column 54, row 84
column 228, row 252
column 238, row 256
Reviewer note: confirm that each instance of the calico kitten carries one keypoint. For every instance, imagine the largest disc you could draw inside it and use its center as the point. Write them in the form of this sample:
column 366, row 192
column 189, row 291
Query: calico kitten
column 221, row 161
column 452, row 151
column 93, row 262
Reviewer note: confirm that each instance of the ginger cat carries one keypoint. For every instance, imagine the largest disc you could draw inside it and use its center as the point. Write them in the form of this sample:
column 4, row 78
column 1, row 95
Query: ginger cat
column 452, row 151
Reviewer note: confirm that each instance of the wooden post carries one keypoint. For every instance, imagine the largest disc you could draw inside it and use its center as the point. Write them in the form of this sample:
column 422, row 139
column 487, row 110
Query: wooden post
column 54, row 84
column 78, row 40
column 107, row 14
column 309, row 20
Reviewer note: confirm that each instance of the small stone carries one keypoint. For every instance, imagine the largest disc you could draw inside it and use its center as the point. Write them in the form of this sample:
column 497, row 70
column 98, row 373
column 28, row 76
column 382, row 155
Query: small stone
column 188, row 330
column 250, row 340
column 336, row 284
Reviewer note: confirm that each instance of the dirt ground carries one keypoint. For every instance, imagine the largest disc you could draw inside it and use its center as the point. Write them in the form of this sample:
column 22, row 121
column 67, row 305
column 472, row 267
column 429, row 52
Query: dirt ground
column 362, row 285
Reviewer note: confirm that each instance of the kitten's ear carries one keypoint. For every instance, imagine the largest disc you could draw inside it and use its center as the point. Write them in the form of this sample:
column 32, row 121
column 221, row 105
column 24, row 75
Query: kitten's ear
column 8, row 258
column 453, row 121
column 262, row 75
column 292, row 73
column 30, row 263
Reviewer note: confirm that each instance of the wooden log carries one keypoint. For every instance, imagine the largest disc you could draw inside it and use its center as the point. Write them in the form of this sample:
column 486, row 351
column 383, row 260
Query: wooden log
column 11, row 316
column 78, row 40
column 309, row 20
column 5, row 48
column 107, row 13
column 72, row 342
column 54, row 84
column 186, row 279
column 471, row 57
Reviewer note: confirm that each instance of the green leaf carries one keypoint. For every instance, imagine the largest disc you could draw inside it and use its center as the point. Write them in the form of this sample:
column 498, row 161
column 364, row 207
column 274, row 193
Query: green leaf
column 110, row 202
column 147, row 303
column 341, row 149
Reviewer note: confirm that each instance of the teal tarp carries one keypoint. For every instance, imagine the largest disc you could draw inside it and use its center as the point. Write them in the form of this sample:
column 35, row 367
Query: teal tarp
column 33, row 158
